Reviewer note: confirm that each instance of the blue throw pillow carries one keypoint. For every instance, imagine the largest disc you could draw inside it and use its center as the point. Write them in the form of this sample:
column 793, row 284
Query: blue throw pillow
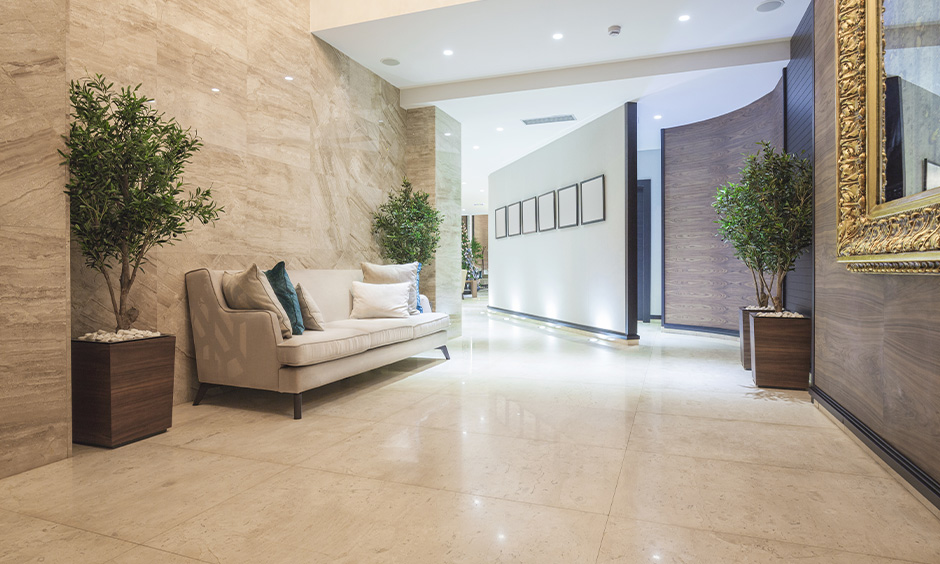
column 286, row 294
column 418, row 289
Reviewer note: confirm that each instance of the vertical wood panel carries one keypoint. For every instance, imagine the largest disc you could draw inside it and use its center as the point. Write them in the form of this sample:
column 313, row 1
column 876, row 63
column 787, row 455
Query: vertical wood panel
column 704, row 283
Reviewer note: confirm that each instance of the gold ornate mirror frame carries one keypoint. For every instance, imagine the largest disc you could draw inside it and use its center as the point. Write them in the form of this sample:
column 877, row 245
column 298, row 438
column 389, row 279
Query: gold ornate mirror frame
column 897, row 237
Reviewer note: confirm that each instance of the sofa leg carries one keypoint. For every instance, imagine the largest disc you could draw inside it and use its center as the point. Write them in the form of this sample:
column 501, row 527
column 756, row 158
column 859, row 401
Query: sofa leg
column 298, row 405
column 443, row 349
column 201, row 393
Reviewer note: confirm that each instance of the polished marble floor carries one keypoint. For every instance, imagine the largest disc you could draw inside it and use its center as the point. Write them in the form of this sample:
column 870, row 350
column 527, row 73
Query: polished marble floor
column 532, row 445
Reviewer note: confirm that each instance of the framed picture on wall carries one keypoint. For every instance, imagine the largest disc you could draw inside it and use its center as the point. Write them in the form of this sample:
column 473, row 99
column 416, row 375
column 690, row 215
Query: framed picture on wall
column 499, row 222
column 568, row 206
column 514, row 219
column 593, row 200
column 547, row 211
column 529, row 216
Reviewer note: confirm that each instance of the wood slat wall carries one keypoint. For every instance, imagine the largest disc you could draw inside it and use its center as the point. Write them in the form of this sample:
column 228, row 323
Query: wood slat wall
column 877, row 340
column 798, row 295
column 704, row 284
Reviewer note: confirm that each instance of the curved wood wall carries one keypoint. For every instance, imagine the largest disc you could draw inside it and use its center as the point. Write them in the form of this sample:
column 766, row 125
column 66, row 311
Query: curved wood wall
column 704, row 284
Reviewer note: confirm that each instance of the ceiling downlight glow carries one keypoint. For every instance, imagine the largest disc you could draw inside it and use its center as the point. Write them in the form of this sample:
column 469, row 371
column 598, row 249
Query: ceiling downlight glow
column 448, row 52
column 558, row 36
column 657, row 116
column 685, row 18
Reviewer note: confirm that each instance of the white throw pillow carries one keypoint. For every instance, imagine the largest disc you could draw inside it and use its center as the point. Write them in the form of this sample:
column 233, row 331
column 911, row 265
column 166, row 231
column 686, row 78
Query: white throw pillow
column 250, row 289
column 313, row 319
column 392, row 274
column 380, row 300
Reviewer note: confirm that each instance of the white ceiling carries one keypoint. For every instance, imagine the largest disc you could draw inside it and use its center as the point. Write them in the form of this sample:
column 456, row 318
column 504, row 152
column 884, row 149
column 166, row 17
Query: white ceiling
column 492, row 38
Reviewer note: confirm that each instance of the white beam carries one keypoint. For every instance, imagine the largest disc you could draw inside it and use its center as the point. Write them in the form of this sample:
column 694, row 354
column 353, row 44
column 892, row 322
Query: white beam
column 327, row 14
column 631, row 68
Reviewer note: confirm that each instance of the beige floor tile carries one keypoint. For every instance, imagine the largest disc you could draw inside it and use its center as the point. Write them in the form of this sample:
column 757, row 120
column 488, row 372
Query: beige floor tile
column 556, row 474
column 145, row 555
column 494, row 415
column 786, row 407
column 840, row 511
column 359, row 403
column 271, row 437
column 132, row 493
column 630, row 542
column 27, row 539
column 310, row 516
column 811, row 448
column 574, row 393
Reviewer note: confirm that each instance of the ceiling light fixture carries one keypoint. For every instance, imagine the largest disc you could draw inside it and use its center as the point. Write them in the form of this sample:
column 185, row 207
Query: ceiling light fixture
column 613, row 30
column 499, row 129
column 657, row 116
column 288, row 78
column 390, row 62
column 215, row 89
column 769, row 5
column 557, row 36
column 447, row 134
column 685, row 18
column 448, row 52
column 476, row 146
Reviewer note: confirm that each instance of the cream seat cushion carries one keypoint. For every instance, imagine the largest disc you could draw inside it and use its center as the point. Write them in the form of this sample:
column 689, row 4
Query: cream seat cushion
column 381, row 331
column 427, row 323
column 314, row 347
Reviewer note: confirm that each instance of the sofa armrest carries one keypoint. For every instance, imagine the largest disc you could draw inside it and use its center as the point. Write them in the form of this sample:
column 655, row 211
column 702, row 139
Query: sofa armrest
column 425, row 303
column 232, row 347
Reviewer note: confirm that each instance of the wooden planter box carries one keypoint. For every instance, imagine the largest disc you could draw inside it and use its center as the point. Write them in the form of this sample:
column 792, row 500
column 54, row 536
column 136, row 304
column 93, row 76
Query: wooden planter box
column 780, row 351
column 744, row 332
column 122, row 392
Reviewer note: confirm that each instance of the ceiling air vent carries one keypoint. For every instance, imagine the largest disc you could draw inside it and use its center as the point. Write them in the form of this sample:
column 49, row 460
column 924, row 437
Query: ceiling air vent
column 549, row 119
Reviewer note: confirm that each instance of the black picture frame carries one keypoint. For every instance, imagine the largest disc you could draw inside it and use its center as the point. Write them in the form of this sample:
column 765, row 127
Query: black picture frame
column 530, row 214
column 546, row 210
column 593, row 200
column 568, row 206
column 514, row 219
column 499, row 220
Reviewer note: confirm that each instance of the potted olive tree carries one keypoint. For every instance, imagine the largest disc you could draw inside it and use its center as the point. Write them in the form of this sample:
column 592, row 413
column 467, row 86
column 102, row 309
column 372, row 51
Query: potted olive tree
column 768, row 217
column 126, row 197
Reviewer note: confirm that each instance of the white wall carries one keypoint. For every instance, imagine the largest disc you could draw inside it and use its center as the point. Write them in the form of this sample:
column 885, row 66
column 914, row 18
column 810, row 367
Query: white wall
column 575, row 275
column 649, row 165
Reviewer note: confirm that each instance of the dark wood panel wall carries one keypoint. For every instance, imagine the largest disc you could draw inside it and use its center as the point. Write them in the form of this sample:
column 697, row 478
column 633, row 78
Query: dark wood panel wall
column 703, row 283
column 798, row 295
column 877, row 339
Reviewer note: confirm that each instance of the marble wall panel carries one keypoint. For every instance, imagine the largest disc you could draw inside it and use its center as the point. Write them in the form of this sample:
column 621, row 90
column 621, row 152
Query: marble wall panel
column 299, row 165
column 35, row 411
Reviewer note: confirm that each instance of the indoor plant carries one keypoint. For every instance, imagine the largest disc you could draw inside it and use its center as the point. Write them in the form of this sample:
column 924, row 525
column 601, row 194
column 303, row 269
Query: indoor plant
column 126, row 197
column 407, row 226
column 767, row 216
column 469, row 252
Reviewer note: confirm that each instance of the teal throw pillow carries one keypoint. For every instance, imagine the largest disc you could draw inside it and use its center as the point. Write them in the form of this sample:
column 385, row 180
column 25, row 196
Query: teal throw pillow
column 286, row 294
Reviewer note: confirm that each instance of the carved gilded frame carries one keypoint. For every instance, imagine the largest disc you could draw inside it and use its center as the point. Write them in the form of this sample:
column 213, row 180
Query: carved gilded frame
column 897, row 237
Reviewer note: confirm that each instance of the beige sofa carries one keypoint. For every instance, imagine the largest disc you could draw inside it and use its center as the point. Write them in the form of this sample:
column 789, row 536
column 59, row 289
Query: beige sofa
column 244, row 348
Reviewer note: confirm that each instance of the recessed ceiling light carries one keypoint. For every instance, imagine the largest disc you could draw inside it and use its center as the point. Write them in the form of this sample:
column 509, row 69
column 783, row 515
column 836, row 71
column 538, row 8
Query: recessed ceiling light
column 215, row 89
column 476, row 146
column 657, row 116
column 390, row 62
column 684, row 18
column 447, row 134
column 288, row 78
column 769, row 5
column 557, row 36
column 481, row 191
column 499, row 129
column 448, row 52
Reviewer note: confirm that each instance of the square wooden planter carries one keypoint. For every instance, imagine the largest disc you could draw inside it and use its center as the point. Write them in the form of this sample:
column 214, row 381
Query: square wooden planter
column 780, row 351
column 122, row 392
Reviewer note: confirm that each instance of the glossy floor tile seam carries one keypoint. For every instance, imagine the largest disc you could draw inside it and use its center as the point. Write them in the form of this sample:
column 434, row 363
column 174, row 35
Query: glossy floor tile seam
column 883, row 476
column 760, row 538
column 639, row 409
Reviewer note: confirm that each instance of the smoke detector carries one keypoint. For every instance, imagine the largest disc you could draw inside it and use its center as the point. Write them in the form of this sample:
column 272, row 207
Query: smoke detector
column 613, row 30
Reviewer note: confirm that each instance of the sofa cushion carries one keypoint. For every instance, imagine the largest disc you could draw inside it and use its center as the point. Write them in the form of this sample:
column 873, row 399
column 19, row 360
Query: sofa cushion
column 395, row 273
column 379, row 301
column 427, row 323
column 250, row 289
column 313, row 319
column 381, row 331
column 314, row 347
column 284, row 290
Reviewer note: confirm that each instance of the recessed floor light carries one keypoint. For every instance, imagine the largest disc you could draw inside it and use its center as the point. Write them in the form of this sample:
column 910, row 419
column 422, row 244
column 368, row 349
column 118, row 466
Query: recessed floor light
column 448, row 52
column 657, row 117
column 215, row 90
column 499, row 129
column 288, row 78
column 390, row 62
column 684, row 18
column 769, row 5
column 557, row 36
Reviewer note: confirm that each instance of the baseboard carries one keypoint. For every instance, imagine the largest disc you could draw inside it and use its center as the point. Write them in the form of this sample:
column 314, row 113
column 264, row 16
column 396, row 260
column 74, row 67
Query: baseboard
column 910, row 472
column 700, row 329
column 579, row 327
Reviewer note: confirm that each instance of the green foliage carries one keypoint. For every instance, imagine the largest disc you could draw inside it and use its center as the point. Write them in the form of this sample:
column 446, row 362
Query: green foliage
column 471, row 252
column 768, row 217
column 125, row 183
column 407, row 226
